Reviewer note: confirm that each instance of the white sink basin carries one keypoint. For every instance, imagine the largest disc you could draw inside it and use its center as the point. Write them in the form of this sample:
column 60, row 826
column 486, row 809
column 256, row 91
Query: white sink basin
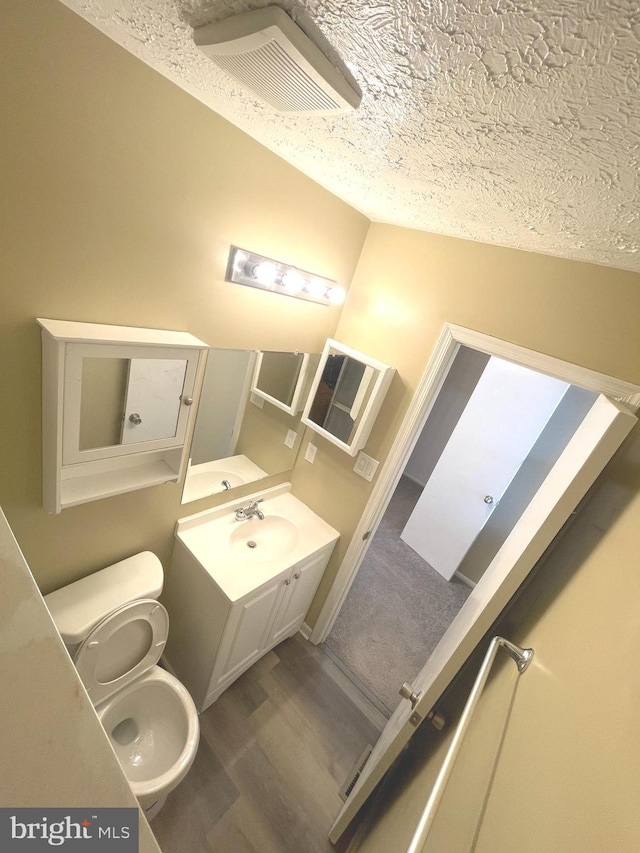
column 239, row 555
column 206, row 479
column 264, row 539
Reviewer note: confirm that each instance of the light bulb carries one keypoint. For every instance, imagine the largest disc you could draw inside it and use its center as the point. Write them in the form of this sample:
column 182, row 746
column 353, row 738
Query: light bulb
column 293, row 281
column 336, row 295
column 265, row 273
column 317, row 288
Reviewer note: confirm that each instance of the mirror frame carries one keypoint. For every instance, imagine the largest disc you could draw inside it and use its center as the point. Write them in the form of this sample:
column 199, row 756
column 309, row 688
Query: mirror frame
column 296, row 400
column 383, row 374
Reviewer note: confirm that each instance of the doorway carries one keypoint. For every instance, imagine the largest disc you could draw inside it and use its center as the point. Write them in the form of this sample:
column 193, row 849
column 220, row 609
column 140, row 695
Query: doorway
column 396, row 611
column 400, row 605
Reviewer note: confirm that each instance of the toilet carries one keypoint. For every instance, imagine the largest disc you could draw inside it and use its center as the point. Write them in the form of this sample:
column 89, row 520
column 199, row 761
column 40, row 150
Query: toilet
column 115, row 631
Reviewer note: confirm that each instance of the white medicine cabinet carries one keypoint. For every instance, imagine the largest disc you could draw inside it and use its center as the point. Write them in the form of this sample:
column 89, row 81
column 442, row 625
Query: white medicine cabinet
column 346, row 395
column 117, row 408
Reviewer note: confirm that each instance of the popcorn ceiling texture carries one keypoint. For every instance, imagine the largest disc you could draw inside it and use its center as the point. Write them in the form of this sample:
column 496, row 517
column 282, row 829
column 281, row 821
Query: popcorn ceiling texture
column 515, row 122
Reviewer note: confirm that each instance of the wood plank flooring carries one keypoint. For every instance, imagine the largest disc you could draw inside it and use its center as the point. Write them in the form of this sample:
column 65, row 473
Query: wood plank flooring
column 275, row 749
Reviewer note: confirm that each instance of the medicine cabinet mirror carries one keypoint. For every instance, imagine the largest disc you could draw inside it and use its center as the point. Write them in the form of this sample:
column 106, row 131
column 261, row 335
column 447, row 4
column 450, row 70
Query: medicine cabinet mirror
column 239, row 437
column 114, row 405
column 117, row 408
column 129, row 400
column 283, row 378
column 346, row 395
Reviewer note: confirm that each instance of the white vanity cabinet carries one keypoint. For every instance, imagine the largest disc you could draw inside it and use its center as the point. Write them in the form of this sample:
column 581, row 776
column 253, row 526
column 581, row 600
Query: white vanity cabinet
column 264, row 619
column 227, row 611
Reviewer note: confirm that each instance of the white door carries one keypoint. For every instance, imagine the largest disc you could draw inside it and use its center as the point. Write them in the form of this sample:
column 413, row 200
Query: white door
column 506, row 413
column 152, row 407
column 593, row 444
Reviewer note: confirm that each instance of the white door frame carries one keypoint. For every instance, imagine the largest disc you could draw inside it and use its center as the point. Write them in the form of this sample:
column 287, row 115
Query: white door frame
column 451, row 339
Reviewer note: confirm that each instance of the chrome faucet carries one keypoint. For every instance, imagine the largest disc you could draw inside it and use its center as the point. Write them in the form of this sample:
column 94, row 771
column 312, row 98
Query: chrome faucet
column 249, row 511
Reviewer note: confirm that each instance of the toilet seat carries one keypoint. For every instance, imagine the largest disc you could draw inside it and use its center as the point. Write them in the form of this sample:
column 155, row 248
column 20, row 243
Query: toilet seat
column 122, row 647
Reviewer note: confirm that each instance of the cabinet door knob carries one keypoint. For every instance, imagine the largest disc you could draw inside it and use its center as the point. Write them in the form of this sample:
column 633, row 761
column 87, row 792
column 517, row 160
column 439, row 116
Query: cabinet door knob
column 296, row 576
column 135, row 418
column 188, row 401
column 287, row 582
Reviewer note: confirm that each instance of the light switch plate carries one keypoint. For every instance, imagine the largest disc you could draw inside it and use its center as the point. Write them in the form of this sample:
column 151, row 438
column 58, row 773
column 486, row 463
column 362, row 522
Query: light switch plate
column 257, row 401
column 290, row 440
column 366, row 466
column 310, row 454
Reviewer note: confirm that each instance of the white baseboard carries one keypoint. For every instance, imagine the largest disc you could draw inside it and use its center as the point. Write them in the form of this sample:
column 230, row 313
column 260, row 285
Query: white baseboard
column 413, row 480
column 305, row 630
column 464, row 579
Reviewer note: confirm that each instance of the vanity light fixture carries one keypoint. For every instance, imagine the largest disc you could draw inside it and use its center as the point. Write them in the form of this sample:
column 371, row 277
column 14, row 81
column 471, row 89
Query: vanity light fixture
column 254, row 270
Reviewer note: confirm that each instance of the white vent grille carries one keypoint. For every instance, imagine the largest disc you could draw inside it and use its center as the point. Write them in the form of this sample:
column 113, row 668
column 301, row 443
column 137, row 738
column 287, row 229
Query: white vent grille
column 270, row 72
column 270, row 55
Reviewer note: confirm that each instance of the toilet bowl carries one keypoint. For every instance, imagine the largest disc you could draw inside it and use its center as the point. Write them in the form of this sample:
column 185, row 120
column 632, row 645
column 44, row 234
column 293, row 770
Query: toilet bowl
column 152, row 733
column 115, row 631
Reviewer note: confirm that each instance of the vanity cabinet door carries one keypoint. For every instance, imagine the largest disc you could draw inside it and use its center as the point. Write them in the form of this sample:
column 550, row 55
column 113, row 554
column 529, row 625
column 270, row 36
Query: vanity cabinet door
column 246, row 632
column 298, row 595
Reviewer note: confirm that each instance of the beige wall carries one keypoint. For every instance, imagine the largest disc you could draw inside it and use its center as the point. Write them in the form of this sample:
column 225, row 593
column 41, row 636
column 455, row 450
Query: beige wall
column 262, row 437
column 121, row 195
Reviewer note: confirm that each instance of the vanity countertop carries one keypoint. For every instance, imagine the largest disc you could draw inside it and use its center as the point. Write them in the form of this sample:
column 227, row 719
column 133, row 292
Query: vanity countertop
column 54, row 751
column 240, row 556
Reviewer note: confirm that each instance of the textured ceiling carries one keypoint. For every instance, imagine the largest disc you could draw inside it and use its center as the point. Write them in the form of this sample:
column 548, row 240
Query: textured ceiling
column 515, row 122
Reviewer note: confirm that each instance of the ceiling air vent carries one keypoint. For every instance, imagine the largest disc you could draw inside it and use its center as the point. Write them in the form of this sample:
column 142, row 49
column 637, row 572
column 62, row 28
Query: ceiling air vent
column 270, row 55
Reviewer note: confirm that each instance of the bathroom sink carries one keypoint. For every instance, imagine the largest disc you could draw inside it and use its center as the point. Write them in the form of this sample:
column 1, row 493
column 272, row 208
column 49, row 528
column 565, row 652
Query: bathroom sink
column 242, row 554
column 264, row 539
column 213, row 479
column 207, row 478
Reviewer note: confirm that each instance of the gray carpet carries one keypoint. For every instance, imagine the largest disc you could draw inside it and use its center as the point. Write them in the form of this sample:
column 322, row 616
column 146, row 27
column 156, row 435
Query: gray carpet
column 397, row 609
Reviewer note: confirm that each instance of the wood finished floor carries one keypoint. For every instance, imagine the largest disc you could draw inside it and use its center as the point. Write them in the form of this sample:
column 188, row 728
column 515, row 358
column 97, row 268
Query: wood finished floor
column 275, row 749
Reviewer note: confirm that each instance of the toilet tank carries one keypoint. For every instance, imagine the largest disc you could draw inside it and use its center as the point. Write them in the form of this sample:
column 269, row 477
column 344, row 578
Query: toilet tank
column 77, row 608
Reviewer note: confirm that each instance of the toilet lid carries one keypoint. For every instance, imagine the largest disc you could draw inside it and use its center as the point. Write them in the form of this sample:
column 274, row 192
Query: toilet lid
column 126, row 644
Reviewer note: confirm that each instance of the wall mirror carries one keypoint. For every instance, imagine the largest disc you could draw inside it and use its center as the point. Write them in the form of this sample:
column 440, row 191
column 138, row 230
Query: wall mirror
column 283, row 378
column 239, row 437
column 346, row 395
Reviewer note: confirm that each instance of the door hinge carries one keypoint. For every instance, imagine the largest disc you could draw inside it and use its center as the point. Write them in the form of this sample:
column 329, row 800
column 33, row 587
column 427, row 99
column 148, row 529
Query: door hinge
column 436, row 719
